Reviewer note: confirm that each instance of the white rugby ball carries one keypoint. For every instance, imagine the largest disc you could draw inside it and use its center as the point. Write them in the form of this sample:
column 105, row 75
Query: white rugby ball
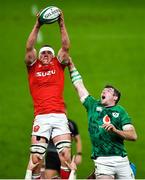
column 49, row 15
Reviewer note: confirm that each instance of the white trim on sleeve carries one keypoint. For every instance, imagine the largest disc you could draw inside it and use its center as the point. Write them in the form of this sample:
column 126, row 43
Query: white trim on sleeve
column 127, row 127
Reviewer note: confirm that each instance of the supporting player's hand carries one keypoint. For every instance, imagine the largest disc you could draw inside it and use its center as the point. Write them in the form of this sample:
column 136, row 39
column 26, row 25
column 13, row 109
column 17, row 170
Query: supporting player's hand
column 31, row 165
column 109, row 127
column 72, row 165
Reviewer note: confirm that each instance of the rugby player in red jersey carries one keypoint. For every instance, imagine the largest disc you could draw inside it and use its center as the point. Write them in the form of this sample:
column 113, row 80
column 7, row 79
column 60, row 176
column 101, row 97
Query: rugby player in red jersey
column 46, row 82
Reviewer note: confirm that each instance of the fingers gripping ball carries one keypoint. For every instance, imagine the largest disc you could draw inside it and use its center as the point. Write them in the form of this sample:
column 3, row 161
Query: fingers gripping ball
column 49, row 15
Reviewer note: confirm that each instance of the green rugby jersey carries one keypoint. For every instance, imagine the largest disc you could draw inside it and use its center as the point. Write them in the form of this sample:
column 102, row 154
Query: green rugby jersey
column 105, row 143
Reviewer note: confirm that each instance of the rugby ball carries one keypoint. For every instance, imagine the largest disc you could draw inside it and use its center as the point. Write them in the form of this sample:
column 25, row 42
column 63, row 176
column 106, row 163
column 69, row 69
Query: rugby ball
column 49, row 15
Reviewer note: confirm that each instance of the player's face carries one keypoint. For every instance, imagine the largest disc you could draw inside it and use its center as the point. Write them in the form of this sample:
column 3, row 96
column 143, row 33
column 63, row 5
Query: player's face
column 45, row 57
column 107, row 97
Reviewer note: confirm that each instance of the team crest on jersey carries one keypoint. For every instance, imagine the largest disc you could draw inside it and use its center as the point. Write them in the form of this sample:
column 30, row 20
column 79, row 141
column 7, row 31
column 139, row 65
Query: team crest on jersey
column 106, row 119
column 115, row 114
column 36, row 128
column 99, row 109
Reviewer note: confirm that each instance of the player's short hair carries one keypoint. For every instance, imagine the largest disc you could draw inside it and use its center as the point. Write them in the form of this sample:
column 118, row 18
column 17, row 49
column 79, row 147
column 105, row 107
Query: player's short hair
column 116, row 92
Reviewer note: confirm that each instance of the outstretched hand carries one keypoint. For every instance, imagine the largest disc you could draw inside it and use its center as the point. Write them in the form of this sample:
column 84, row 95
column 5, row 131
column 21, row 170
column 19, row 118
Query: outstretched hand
column 37, row 19
column 61, row 17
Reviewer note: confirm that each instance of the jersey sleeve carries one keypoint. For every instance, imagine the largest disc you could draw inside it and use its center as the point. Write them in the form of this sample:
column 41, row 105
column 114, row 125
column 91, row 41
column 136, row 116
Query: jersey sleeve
column 125, row 119
column 89, row 102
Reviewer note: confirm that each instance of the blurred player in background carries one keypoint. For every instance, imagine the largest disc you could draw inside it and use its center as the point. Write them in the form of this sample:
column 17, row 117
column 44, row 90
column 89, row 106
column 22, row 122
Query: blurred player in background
column 109, row 125
column 52, row 161
column 46, row 82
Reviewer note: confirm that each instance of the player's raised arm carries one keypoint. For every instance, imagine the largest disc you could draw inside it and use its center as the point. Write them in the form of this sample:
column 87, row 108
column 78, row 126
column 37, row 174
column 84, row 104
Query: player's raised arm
column 65, row 42
column 77, row 81
column 30, row 50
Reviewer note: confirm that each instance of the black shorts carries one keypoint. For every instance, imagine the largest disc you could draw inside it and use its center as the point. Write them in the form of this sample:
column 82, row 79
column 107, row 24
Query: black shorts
column 52, row 161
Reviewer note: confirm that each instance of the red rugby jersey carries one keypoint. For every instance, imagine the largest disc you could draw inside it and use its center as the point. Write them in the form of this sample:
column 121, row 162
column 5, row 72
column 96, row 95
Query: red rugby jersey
column 46, row 84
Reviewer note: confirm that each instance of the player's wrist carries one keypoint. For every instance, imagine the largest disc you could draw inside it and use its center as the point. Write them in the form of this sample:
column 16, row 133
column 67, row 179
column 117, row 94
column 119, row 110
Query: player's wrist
column 38, row 25
column 79, row 153
column 117, row 131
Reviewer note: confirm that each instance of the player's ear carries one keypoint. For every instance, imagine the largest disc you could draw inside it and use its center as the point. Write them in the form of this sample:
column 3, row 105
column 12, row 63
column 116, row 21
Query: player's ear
column 115, row 98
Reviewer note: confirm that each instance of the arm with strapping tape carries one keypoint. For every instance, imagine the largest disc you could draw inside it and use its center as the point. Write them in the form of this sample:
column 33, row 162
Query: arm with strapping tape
column 77, row 81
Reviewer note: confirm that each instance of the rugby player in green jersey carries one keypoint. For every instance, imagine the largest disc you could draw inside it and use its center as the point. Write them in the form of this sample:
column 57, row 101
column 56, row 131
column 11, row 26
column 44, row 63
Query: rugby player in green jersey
column 109, row 125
